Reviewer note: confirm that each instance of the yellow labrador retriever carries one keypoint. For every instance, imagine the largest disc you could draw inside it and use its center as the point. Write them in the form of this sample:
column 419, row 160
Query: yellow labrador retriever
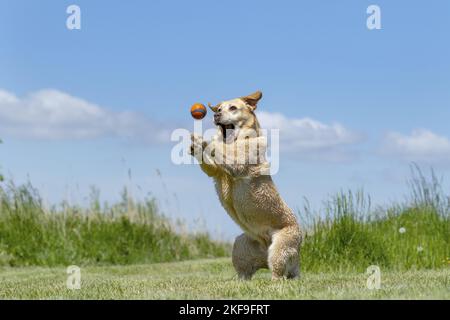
column 271, row 237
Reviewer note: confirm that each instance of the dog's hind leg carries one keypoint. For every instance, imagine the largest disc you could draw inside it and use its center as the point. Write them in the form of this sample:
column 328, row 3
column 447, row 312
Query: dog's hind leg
column 248, row 256
column 284, row 253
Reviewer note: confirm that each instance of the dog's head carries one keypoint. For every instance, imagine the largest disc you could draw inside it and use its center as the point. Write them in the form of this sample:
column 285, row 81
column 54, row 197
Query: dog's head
column 237, row 116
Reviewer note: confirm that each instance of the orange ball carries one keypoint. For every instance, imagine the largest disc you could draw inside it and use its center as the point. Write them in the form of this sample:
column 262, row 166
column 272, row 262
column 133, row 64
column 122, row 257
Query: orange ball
column 198, row 111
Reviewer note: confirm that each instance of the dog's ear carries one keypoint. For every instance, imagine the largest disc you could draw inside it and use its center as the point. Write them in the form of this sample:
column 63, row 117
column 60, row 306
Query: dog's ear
column 252, row 99
column 213, row 108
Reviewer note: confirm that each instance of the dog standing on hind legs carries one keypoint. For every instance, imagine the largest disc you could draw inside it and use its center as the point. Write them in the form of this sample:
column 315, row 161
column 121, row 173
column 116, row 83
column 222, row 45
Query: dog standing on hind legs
column 271, row 237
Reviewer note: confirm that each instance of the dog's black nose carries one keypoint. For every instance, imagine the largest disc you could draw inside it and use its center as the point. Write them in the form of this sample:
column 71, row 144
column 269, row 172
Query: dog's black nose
column 216, row 117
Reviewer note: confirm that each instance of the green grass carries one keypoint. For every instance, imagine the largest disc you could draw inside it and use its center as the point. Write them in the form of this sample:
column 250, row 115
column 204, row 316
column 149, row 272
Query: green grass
column 131, row 251
column 351, row 235
column 215, row 279
column 347, row 236
column 398, row 238
column 126, row 233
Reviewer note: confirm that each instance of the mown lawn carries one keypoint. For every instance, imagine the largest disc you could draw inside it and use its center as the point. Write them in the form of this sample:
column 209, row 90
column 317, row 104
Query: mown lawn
column 214, row 279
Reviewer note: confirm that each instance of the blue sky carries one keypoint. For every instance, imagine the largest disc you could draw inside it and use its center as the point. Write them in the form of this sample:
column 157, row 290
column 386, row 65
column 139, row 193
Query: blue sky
column 81, row 107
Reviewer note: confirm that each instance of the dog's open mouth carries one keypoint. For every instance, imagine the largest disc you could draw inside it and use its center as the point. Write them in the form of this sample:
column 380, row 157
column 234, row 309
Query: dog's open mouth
column 227, row 130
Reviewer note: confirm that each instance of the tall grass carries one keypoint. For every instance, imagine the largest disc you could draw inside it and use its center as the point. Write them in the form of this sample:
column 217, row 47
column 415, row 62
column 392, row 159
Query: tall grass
column 124, row 233
column 1, row 176
column 348, row 235
column 352, row 235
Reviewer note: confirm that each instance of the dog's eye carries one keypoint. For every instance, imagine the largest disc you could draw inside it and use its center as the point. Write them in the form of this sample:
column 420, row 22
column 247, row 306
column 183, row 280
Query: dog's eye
column 232, row 108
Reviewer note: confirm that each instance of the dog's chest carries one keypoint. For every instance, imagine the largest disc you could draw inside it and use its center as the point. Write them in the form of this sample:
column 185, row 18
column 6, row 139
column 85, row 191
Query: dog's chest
column 234, row 198
column 224, row 188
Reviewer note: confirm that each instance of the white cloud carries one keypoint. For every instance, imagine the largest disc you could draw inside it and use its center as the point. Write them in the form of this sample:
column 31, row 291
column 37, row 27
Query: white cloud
column 420, row 145
column 52, row 114
column 310, row 138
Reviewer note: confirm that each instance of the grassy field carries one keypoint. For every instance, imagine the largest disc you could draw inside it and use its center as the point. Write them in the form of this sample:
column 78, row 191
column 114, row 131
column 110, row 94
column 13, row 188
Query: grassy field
column 214, row 279
column 127, row 232
column 129, row 250
column 347, row 234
